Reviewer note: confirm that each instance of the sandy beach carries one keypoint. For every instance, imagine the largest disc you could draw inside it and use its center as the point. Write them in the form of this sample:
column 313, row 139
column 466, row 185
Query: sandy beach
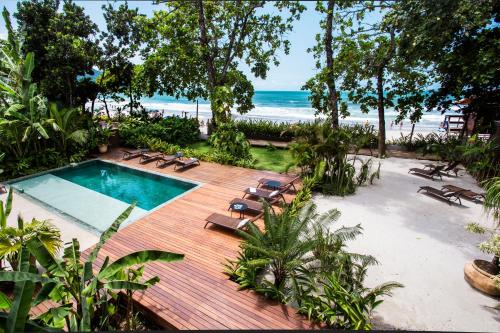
column 420, row 242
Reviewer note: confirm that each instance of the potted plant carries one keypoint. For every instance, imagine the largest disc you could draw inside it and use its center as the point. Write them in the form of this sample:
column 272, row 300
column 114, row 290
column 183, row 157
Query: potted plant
column 103, row 135
column 481, row 274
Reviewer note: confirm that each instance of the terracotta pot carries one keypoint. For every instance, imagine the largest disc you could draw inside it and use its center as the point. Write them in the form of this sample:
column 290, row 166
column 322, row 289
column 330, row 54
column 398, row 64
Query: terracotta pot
column 103, row 148
column 480, row 274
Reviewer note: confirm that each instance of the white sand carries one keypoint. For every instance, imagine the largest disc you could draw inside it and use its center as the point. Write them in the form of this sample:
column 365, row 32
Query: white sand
column 29, row 209
column 420, row 242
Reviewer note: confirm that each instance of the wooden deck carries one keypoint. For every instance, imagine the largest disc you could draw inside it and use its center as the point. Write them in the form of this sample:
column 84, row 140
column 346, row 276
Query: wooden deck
column 195, row 293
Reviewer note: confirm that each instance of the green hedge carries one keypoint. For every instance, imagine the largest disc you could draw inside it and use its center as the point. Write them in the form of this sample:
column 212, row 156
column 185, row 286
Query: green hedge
column 264, row 130
column 174, row 130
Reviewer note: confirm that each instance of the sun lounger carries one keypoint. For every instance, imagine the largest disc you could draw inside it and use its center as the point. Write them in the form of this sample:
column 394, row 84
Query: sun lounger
column 268, row 195
column 167, row 159
column 229, row 222
column 182, row 164
column 436, row 172
column 451, row 167
column 443, row 195
column 149, row 157
column 288, row 181
column 132, row 153
column 253, row 206
column 464, row 193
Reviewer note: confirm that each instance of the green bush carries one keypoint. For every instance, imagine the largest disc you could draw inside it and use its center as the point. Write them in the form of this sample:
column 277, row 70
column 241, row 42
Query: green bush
column 232, row 144
column 264, row 130
column 175, row 130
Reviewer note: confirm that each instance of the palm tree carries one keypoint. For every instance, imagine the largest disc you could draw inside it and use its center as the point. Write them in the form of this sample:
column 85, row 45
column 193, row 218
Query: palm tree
column 12, row 239
column 287, row 244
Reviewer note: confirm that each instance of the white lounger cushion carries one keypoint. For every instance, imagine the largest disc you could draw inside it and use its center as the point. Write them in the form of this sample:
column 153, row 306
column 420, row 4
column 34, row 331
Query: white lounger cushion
column 274, row 193
column 253, row 190
column 242, row 223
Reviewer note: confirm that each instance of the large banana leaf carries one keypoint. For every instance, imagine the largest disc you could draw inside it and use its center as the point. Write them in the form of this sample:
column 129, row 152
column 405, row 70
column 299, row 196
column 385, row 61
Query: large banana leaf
column 122, row 284
column 17, row 276
column 44, row 257
column 30, row 326
column 23, row 294
column 5, row 302
column 5, row 211
column 29, row 65
column 140, row 257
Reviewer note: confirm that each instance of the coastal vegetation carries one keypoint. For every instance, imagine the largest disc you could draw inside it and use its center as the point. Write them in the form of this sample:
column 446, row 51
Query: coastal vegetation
column 86, row 299
column 300, row 259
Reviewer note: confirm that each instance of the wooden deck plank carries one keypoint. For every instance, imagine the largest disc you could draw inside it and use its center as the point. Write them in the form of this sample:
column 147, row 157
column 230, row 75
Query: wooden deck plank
column 195, row 293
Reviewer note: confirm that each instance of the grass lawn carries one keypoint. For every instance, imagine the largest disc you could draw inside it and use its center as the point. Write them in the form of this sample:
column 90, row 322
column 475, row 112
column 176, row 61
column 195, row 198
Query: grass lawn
column 273, row 160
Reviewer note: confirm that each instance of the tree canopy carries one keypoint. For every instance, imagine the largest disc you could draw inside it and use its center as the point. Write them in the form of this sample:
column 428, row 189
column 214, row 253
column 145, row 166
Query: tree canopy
column 194, row 49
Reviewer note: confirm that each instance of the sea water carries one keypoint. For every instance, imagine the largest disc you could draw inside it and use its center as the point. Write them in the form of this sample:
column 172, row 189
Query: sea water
column 286, row 106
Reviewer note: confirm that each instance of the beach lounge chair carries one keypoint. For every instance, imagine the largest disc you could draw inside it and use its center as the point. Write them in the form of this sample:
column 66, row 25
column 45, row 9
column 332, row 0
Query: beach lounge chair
column 436, row 172
column 132, row 153
column 149, row 157
column 229, row 222
column 268, row 195
column 286, row 182
column 182, row 164
column 451, row 167
column 167, row 159
column 439, row 194
column 464, row 193
column 253, row 206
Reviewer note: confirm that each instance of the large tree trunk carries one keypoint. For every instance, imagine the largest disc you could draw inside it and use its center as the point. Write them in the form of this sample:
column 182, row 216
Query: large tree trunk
column 332, row 91
column 381, row 112
column 209, row 65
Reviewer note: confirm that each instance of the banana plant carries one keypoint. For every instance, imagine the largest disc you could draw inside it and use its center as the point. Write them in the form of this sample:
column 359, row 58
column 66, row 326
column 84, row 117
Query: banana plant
column 63, row 122
column 86, row 297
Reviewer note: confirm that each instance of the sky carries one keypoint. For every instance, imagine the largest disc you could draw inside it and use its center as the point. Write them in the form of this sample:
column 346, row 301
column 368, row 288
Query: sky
column 294, row 69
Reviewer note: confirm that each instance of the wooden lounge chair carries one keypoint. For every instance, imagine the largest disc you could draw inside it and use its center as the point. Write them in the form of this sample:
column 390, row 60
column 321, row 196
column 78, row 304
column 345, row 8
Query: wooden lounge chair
column 439, row 194
column 451, row 167
column 253, row 206
column 132, row 153
column 289, row 181
column 436, row 172
column 149, row 157
column 182, row 164
column 167, row 159
column 268, row 195
column 229, row 222
column 464, row 193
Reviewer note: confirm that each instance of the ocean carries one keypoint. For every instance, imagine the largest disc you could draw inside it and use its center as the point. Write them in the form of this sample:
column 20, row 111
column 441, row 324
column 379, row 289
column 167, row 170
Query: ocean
column 286, row 106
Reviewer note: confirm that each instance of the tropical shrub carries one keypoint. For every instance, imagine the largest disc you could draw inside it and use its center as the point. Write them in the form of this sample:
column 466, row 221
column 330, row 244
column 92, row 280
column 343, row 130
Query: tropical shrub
column 264, row 129
column 322, row 144
column 87, row 299
column 492, row 206
column 480, row 158
column 229, row 142
column 300, row 259
column 174, row 130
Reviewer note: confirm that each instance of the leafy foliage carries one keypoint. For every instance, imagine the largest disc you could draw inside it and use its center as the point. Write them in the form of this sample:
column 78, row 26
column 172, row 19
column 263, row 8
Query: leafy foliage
column 264, row 129
column 298, row 258
column 193, row 49
column 174, row 130
column 227, row 140
column 322, row 144
column 87, row 298
column 50, row 33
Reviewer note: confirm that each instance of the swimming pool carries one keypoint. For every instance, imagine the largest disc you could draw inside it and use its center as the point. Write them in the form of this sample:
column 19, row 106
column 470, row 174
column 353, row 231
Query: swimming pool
column 96, row 192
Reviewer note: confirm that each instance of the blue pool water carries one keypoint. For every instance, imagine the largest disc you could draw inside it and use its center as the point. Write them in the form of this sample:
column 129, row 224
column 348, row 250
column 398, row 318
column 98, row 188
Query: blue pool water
column 97, row 192
column 125, row 184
